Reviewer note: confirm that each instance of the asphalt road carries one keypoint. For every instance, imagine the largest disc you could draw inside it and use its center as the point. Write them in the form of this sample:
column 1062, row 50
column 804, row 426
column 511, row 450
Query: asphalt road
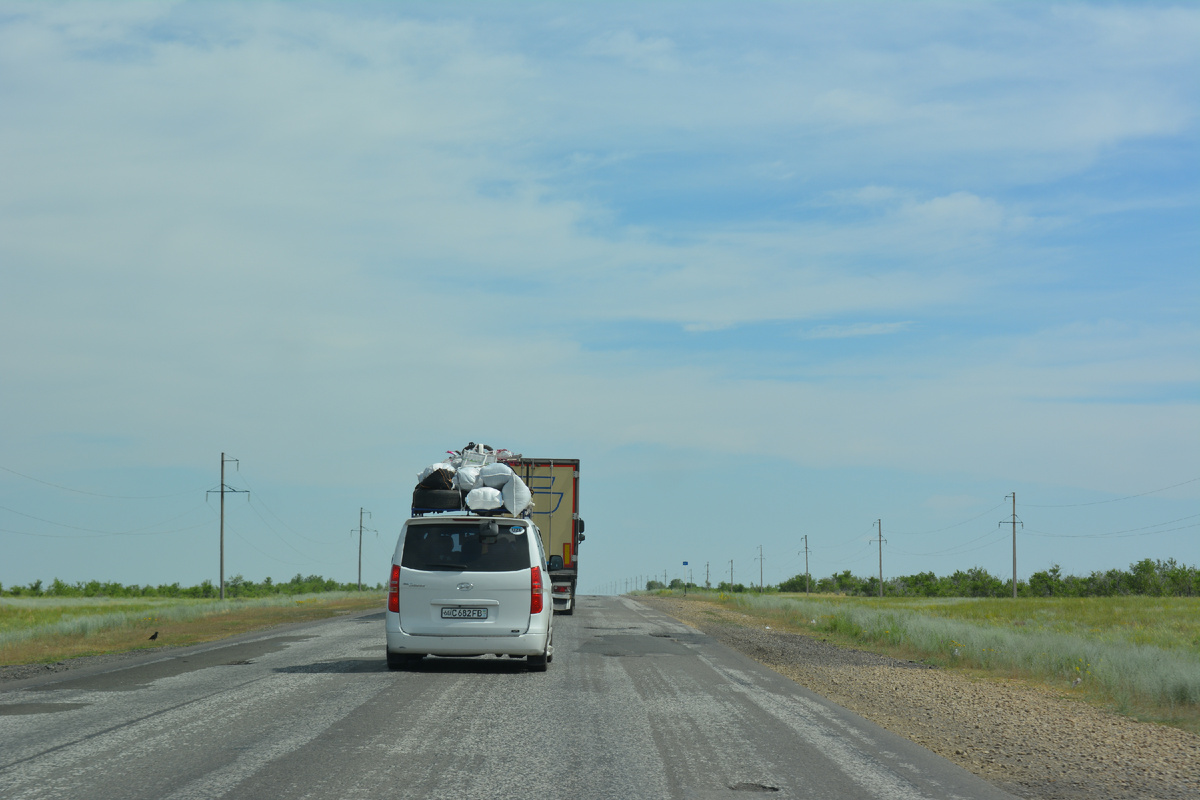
column 635, row 705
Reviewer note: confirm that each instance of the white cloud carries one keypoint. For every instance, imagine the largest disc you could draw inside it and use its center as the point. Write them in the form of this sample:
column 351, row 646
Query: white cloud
column 960, row 211
column 310, row 234
column 643, row 52
column 857, row 329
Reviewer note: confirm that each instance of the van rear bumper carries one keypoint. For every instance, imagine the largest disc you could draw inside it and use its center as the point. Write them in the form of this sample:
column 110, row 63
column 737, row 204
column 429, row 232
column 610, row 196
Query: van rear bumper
column 401, row 643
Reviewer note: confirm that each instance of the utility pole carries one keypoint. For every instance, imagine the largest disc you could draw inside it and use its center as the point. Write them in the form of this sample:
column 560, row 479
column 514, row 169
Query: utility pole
column 760, row 570
column 731, row 576
column 223, row 490
column 1014, row 537
column 360, row 533
column 707, row 582
column 881, row 541
column 807, row 581
column 1014, row 532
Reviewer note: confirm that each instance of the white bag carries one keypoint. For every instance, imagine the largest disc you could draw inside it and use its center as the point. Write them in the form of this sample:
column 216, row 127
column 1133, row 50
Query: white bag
column 484, row 498
column 517, row 496
column 496, row 475
column 467, row 478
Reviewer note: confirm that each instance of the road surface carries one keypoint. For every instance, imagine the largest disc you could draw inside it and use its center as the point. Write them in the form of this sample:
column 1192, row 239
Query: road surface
column 635, row 705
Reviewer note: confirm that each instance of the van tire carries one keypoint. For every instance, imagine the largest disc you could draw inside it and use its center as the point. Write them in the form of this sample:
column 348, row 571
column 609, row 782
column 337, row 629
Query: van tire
column 539, row 663
column 437, row 499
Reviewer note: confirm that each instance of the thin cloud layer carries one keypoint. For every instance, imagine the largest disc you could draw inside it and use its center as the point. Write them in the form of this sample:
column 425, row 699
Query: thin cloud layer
column 922, row 242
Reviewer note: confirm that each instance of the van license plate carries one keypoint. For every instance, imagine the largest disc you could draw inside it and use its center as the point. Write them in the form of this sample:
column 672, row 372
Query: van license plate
column 464, row 613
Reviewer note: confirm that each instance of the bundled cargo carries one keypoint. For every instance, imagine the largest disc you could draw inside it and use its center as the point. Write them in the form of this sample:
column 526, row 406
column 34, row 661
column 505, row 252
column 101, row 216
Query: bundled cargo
column 486, row 482
column 472, row 479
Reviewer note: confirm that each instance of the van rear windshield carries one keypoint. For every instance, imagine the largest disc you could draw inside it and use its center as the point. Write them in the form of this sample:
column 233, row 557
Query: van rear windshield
column 468, row 547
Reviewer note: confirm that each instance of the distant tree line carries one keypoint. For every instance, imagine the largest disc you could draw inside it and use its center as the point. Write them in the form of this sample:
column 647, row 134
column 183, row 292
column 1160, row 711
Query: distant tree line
column 1146, row 577
column 237, row 586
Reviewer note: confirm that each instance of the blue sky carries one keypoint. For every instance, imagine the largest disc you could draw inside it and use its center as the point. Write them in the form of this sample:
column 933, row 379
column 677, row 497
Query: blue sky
column 768, row 270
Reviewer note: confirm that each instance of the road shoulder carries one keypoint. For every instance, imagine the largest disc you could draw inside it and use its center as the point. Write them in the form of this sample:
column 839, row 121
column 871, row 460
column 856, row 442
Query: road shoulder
column 1026, row 741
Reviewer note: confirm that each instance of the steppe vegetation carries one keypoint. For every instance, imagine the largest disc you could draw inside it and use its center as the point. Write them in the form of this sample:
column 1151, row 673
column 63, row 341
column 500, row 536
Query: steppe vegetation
column 1138, row 655
column 56, row 624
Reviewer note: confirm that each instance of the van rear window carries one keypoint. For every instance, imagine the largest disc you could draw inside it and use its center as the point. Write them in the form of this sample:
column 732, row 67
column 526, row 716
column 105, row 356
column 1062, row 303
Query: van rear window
column 469, row 547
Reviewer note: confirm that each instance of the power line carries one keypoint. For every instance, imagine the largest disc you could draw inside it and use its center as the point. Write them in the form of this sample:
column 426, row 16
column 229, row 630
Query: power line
column 98, row 535
column 134, row 532
column 963, row 547
column 278, row 535
column 261, row 551
column 258, row 498
column 97, row 494
column 1116, row 499
column 955, row 525
column 1146, row 530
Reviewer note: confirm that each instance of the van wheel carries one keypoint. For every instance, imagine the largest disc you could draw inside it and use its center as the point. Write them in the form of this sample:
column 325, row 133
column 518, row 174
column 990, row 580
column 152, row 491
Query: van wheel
column 539, row 663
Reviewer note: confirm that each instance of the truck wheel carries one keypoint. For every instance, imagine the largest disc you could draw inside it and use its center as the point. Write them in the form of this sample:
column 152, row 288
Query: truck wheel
column 437, row 499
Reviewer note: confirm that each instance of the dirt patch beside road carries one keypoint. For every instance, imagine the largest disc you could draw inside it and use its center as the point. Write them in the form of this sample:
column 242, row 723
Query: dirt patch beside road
column 1030, row 742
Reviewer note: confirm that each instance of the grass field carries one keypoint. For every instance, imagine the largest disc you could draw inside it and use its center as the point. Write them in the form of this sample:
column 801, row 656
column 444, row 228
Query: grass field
column 44, row 629
column 1137, row 655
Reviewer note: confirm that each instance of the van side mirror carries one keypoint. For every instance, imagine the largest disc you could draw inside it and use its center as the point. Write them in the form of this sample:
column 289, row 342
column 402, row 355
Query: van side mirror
column 555, row 563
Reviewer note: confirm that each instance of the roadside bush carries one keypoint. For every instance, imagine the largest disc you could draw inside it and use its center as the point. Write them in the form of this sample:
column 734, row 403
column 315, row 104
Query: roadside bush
column 1146, row 577
column 235, row 587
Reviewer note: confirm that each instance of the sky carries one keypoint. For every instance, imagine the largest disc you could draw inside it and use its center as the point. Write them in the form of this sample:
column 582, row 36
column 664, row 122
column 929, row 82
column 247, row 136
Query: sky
column 780, row 275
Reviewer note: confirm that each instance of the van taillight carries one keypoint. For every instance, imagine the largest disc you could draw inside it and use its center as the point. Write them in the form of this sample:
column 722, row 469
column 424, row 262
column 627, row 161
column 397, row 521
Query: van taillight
column 394, row 589
column 535, row 591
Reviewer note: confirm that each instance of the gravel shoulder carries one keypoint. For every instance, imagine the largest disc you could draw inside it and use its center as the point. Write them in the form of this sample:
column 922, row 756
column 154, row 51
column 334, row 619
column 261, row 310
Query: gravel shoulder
column 1030, row 742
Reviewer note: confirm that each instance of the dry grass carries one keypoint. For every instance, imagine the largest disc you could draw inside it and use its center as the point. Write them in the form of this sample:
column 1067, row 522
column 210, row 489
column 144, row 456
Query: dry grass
column 49, row 644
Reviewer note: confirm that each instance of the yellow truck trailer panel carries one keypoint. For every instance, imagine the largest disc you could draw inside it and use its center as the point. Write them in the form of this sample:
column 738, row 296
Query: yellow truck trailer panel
column 554, row 484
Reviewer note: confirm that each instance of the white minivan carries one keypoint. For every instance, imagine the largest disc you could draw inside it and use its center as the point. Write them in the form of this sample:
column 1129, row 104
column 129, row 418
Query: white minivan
column 468, row 586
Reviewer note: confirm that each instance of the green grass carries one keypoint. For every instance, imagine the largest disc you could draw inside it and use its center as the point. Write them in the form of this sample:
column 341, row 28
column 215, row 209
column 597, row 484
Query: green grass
column 1170, row 623
column 1138, row 655
column 48, row 629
